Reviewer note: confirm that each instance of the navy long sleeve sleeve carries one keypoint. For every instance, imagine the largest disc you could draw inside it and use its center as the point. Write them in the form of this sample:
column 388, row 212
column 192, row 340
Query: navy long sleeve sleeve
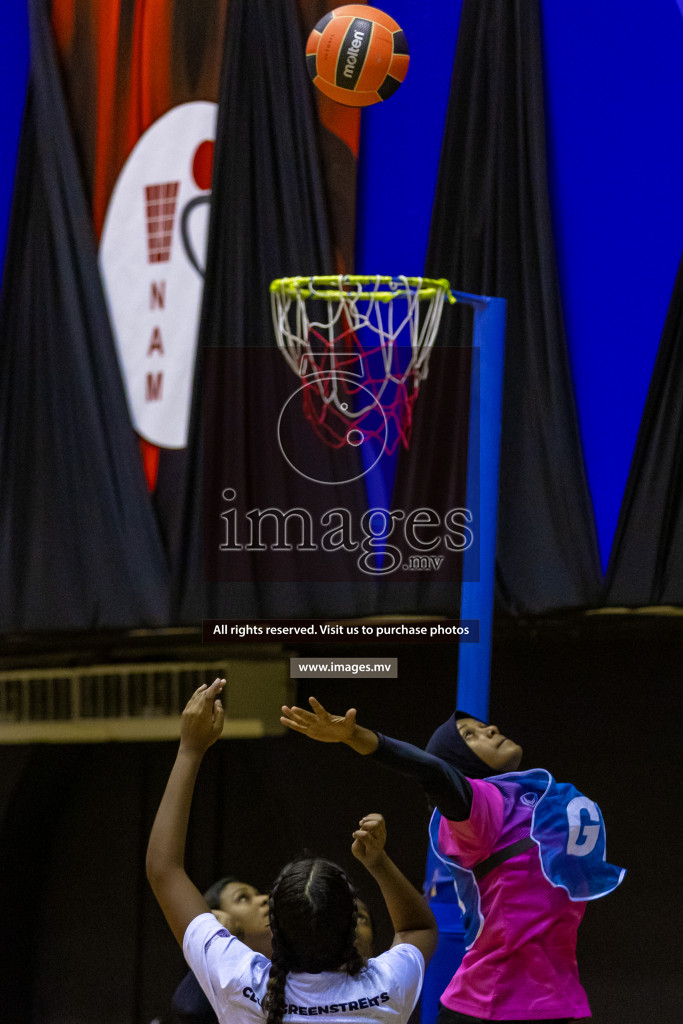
column 447, row 788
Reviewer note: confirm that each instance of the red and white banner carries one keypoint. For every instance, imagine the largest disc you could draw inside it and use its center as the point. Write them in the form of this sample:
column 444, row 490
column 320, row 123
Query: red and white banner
column 152, row 258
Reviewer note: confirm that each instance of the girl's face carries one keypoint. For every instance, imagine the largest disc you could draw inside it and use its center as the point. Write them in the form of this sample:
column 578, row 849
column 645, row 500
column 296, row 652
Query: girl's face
column 364, row 935
column 494, row 749
column 245, row 908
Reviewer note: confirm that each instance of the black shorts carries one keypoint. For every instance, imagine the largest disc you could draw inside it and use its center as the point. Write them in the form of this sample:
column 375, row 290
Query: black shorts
column 446, row 1016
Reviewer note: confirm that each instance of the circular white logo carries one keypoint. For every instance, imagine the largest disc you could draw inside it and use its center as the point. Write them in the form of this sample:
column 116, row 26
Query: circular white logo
column 287, row 432
column 152, row 257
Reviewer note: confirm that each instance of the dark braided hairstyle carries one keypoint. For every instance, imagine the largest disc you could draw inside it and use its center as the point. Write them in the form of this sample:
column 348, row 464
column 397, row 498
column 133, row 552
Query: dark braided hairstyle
column 313, row 924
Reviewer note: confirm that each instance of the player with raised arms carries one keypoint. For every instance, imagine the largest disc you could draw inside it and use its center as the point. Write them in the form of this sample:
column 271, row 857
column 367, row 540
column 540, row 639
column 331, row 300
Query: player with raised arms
column 525, row 854
column 315, row 968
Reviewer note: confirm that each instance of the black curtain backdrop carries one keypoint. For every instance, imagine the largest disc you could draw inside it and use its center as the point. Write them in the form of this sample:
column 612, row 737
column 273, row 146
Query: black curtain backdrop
column 646, row 566
column 79, row 546
column 491, row 234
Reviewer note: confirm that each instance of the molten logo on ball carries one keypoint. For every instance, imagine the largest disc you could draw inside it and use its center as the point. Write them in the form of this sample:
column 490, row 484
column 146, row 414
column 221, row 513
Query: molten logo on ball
column 357, row 55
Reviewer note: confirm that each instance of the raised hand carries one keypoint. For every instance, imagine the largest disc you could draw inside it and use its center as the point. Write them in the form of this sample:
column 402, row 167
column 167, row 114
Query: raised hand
column 319, row 724
column 202, row 720
column 200, row 726
column 369, row 839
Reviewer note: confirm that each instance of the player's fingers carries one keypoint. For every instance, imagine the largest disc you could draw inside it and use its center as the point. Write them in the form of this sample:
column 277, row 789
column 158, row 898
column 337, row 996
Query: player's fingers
column 293, row 725
column 208, row 691
column 373, row 816
column 317, row 707
column 297, row 715
column 372, row 828
column 197, row 698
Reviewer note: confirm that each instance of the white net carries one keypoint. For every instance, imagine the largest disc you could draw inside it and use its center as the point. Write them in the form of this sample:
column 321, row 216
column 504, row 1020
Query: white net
column 359, row 343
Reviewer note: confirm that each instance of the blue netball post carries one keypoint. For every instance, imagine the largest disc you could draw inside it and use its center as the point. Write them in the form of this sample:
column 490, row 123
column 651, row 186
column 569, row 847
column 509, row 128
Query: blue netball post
column 474, row 660
column 486, row 399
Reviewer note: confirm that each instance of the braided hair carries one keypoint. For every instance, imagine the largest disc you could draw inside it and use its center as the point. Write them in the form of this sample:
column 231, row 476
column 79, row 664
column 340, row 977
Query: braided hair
column 313, row 924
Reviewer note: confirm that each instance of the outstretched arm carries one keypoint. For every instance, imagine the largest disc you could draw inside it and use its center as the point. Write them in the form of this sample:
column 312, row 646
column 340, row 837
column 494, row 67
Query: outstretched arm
column 412, row 919
column 447, row 788
column 178, row 897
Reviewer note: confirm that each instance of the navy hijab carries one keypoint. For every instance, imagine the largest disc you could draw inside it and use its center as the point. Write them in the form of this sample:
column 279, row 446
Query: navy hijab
column 447, row 743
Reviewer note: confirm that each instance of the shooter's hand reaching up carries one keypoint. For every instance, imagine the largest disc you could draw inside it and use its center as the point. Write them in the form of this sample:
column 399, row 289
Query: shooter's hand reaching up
column 411, row 917
column 202, row 720
column 369, row 839
column 320, row 725
column 200, row 726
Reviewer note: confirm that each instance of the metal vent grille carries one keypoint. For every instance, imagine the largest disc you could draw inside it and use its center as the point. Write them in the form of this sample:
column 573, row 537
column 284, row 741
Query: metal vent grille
column 136, row 701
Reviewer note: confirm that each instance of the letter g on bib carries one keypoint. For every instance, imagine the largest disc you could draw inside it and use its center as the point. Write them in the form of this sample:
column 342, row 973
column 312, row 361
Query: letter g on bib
column 582, row 837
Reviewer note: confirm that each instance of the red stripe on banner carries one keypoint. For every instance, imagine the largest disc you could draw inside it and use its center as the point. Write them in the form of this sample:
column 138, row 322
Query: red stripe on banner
column 107, row 41
column 344, row 122
column 151, row 87
column 63, row 22
column 150, row 462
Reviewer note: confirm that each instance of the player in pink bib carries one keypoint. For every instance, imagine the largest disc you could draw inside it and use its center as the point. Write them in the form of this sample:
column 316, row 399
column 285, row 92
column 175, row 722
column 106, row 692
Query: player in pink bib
column 525, row 853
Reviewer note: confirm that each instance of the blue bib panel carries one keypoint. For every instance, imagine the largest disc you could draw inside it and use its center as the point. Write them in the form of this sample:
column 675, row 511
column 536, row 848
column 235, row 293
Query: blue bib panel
column 569, row 832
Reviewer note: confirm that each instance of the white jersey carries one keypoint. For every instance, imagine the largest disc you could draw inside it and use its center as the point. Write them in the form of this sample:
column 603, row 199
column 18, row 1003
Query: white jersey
column 235, row 980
